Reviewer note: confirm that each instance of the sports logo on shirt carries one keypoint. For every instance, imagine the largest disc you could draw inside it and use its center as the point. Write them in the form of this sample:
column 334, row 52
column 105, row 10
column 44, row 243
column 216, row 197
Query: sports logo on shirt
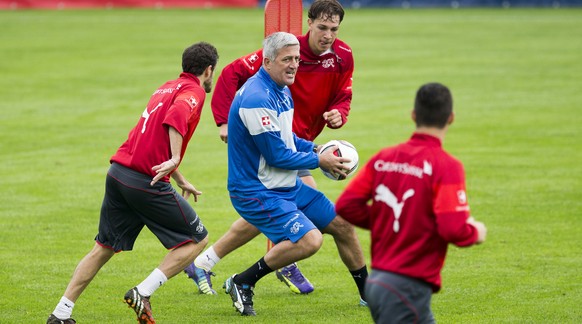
column 451, row 198
column 427, row 168
column 146, row 115
column 287, row 102
column 327, row 63
column 250, row 61
column 403, row 168
column 253, row 58
column 386, row 196
column 265, row 120
column 462, row 196
column 192, row 102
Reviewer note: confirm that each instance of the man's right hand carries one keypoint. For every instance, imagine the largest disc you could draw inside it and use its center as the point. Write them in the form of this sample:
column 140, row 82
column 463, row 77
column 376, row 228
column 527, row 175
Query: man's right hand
column 481, row 229
column 333, row 163
column 223, row 132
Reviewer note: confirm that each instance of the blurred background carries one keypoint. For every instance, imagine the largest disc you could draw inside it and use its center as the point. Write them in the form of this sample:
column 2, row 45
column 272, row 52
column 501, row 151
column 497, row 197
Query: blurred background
column 63, row 4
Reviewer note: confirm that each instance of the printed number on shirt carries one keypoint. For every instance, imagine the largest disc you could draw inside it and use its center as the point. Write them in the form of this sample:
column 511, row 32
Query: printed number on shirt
column 386, row 196
column 147, row 115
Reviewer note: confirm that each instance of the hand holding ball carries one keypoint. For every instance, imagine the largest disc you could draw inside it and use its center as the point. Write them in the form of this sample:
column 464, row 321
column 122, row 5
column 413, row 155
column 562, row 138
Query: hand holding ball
column 343, row 149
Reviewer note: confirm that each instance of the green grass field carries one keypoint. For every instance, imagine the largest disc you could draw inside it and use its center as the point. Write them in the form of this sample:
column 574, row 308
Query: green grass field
column 72, row 84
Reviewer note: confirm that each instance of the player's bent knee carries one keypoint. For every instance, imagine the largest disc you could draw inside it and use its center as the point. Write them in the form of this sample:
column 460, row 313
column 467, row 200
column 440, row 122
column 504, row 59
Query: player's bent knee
column 311, row 242
column 242, row 227
column 101, row 252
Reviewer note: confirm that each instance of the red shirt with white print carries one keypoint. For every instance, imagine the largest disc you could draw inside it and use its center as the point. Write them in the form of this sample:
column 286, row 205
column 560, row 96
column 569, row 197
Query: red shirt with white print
column 322, row 83
column 412, row 199
column 178, row 103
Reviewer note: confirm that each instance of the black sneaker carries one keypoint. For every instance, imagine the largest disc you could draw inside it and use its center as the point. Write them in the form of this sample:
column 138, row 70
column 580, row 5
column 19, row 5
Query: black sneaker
column 241, row 295
column 141, row 305
column 54, row 320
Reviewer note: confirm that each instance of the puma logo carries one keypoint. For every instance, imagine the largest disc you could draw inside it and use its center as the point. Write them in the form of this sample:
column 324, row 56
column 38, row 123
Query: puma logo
column 147, row 115
column 386, row 196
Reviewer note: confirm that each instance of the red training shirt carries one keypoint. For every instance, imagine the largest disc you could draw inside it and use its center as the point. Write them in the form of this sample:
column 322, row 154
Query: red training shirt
column 177, row 103
column 322, row 83
column 418, row 206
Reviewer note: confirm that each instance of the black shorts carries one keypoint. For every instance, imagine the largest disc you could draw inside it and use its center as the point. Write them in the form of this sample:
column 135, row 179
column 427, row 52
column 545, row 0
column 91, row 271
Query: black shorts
column 393, row 298
column 130, row 203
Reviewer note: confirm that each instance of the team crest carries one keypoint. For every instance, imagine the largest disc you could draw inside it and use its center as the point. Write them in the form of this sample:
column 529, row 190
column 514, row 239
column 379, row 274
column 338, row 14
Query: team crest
column 249, row 61
column 253, row 58
column 192, row 102
column 327, row 63
column 462, row 196
column 295, row 228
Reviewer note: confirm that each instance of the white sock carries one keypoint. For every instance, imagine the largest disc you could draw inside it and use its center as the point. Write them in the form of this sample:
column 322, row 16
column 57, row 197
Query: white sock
column 64, row 308
column 154, row 281
column 207, row 260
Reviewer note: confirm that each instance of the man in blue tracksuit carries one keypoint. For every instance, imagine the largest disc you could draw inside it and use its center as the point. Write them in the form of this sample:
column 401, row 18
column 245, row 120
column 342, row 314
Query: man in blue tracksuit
column 263, row 158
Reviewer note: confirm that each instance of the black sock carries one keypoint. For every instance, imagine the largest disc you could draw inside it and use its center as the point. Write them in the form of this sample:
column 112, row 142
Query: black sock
column 253, row 274
column 360, row 277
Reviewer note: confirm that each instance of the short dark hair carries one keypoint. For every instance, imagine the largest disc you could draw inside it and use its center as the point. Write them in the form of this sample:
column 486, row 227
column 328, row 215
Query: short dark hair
column 433, row 105
column 198, row 57
column 325, row 9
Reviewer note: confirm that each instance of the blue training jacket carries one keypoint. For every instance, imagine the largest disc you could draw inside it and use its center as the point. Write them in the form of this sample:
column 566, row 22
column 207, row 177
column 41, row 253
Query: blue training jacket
column 263, row 151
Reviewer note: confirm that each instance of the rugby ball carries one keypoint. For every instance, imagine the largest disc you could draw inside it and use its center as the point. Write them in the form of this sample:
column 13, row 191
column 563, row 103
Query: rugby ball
column 343, row 149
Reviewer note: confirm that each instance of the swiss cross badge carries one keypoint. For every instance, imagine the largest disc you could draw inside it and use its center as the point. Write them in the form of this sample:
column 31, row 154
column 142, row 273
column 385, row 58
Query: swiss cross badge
column 192, row 102
column 266, row 120
column 253, row 58
column 462, row 196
